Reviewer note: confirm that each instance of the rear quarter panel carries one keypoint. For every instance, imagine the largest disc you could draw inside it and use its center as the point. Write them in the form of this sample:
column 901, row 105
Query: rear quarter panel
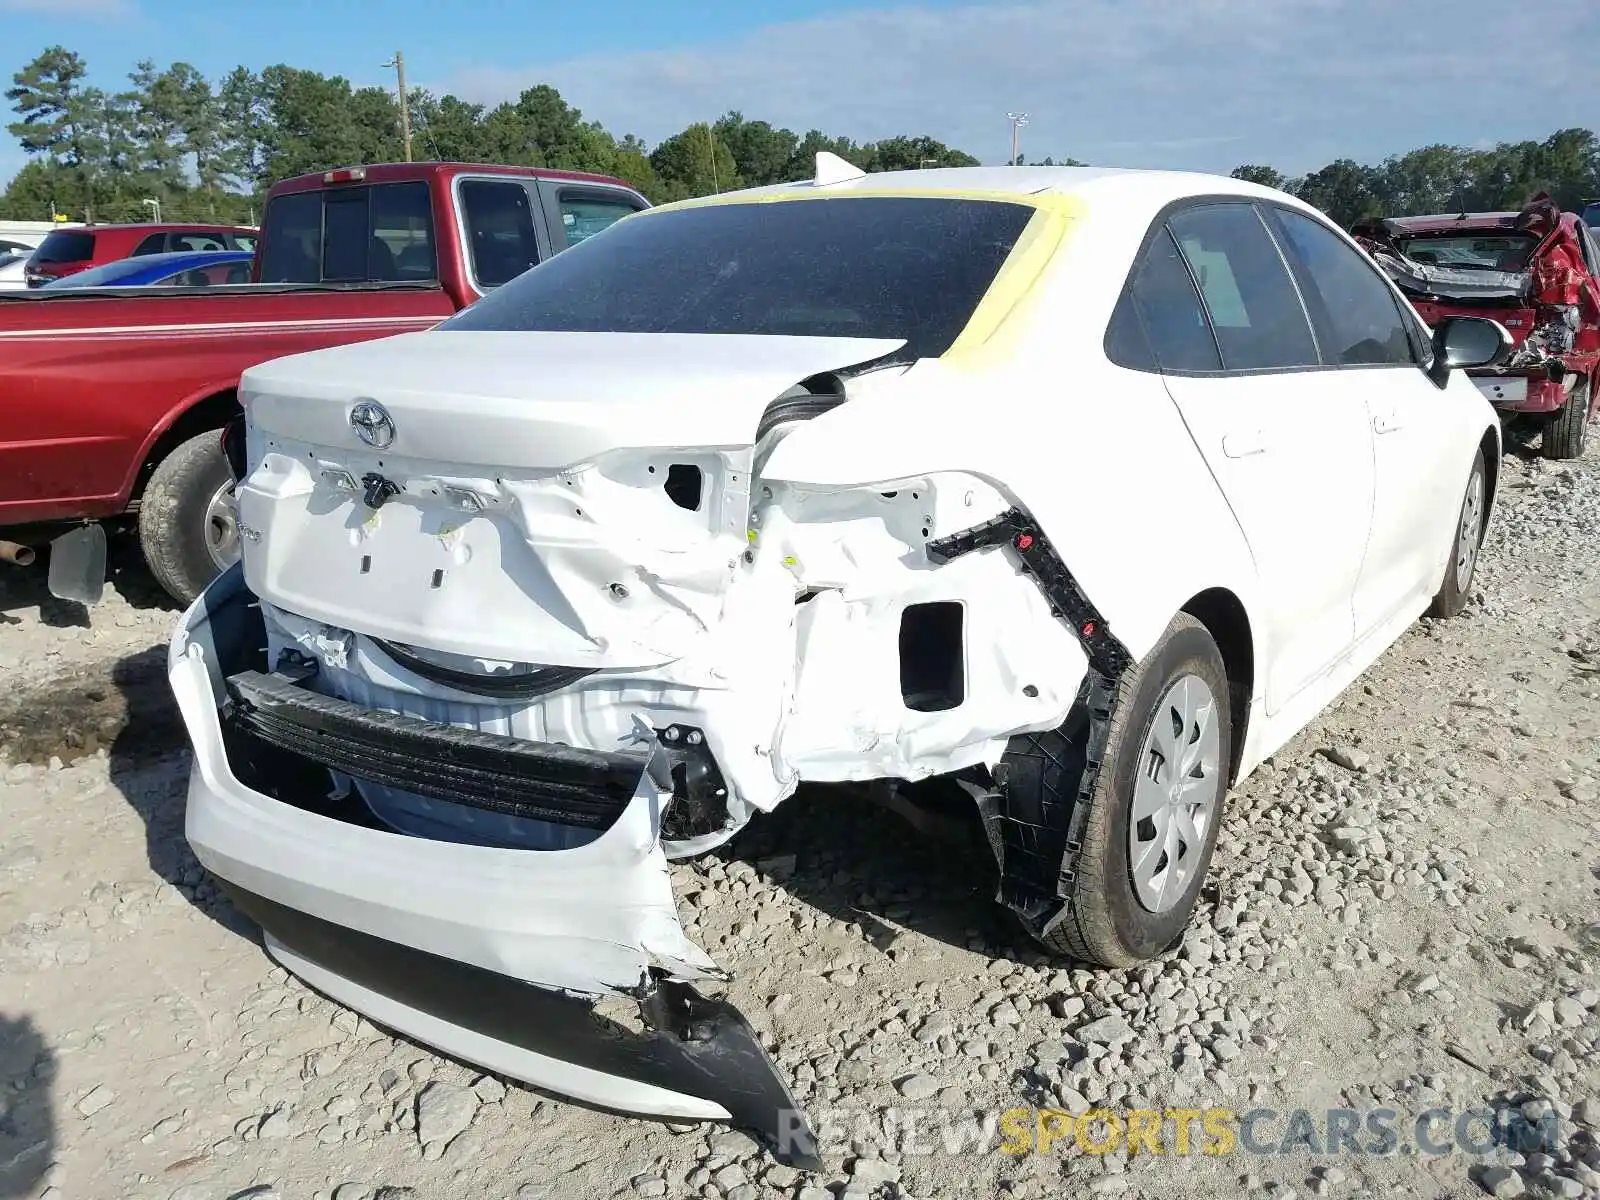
column 1098, row 454
column 90, row 384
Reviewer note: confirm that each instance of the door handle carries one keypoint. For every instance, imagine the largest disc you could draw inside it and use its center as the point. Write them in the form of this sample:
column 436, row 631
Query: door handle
column 1244, row 443
column 1387, row 422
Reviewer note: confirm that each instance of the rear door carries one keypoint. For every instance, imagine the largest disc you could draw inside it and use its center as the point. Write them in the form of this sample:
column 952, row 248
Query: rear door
column 1290, row 448
column 577, row 210
column 1377, row 352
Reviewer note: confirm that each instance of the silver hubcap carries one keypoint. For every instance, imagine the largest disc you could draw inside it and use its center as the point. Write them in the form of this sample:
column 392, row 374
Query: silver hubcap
column 1467, row 535
column 222, row 528
column 1175, row 793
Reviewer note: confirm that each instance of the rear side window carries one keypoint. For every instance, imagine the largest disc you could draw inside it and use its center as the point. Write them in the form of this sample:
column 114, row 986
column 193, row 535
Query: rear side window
column 500, row 236
column 200, row 241
column 584, row 214
column 910, row 268
column 1254, row 308
column 1159, row 323
column 156, row 243
column 381, row 233
column 65, row 246
column 1357, row 320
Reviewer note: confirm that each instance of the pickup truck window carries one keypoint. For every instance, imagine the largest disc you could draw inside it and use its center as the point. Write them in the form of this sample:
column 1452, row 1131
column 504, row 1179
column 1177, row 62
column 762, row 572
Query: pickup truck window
column 584, row 214
column 499, row 219
column 381, row 233
column 869, row 267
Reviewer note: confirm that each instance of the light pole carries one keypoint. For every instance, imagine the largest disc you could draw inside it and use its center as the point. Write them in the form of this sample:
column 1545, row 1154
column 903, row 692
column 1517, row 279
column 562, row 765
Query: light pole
column 155, row 209
column 398, row 62
column 1018, row 120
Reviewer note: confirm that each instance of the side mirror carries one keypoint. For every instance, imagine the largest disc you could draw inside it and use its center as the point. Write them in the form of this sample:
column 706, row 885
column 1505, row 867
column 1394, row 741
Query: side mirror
column 1460, row 342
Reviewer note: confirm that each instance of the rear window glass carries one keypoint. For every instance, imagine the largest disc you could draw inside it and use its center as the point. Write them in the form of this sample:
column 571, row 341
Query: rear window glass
column 869, row 267
column 65, row 247
column 1486, row 252
column 381, row 233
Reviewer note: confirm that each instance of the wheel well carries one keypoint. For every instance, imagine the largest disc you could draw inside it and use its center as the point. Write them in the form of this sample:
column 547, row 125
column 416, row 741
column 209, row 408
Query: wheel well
column 1225, row 620
column 211, row 413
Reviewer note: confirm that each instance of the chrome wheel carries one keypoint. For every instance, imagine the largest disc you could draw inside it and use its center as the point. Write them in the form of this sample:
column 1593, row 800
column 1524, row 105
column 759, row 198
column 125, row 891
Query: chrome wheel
column 1175, row 794
column 1470, row 531
column 222, row 527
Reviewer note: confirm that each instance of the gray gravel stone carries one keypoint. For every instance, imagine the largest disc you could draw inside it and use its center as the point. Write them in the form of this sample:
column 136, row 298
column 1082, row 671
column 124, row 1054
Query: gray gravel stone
column 1107, row 1031
column 95, row 1100
column 1502, row 1182
column 443, row 1112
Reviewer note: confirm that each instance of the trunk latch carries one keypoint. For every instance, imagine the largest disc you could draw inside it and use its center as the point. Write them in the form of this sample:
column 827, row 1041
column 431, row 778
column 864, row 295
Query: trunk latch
column 376, row 490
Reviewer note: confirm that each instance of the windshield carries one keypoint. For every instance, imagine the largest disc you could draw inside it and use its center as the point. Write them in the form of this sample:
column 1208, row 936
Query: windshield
column 1487, row 252
column 868, row 267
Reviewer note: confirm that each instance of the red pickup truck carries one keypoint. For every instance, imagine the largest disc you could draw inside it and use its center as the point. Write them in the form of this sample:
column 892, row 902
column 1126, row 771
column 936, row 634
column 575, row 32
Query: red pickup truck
column 113, row 398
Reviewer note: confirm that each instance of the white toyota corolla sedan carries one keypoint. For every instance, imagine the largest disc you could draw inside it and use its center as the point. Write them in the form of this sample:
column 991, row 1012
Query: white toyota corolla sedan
column 1071, row 492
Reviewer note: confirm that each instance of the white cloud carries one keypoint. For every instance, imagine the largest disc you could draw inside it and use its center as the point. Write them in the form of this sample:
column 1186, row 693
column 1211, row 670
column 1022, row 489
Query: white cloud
column 1205, row 84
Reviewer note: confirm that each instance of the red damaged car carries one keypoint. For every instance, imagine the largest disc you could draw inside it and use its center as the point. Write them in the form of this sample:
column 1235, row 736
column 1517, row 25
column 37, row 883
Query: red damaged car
column 1537, row 272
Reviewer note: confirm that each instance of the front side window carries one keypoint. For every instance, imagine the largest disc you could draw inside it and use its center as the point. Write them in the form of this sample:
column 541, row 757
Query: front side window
column 498, row 215
column 911, row 268
column 1357, row 320
column 156, row 243
column 584, row 214
column 1254, row 309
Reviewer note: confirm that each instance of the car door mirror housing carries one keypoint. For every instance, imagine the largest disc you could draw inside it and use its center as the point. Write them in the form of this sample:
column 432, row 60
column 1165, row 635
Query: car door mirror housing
column 1468, row 342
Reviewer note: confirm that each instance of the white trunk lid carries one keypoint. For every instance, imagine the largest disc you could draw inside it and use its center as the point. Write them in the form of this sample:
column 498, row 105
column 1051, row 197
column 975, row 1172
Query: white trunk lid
column 532, row 522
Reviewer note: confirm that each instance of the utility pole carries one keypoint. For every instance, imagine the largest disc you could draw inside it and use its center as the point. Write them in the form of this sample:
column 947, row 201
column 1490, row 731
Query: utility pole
column 1018, row 120
column 398, row 62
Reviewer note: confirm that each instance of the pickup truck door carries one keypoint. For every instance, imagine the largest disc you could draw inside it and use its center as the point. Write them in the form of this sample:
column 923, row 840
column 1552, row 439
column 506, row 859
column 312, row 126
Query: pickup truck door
column 576, row 210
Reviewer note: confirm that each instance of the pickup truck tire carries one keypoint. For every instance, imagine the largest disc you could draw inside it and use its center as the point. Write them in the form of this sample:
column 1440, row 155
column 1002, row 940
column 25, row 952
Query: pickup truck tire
column 1564, row 434
column 1122, row 911
column 187, row 527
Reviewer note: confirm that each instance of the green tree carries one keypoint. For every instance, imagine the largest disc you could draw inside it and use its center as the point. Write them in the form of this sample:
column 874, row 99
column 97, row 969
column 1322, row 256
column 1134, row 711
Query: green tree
column 1345, row 190
column 911, row 153
column 763, row 155
column 1254, row 173
column 694, row 163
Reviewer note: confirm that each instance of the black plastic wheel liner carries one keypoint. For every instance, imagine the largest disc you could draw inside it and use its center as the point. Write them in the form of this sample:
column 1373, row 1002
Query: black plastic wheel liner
column 1038, row 864
column 692, row 1044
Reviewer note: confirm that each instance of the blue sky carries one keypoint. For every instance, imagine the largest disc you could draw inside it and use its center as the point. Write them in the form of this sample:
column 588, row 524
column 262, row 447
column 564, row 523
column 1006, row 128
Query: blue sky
column 1196, row 84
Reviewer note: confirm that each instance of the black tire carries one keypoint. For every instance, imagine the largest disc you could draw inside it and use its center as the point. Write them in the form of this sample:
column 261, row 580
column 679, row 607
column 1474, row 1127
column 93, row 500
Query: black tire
column 1566, row 430
column 1104, row 921
column 173, row 516
column 1456, row 589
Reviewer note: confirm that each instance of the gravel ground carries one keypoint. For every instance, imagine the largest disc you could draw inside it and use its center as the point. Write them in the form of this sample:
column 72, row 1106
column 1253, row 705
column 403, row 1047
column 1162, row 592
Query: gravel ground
column 1404, row 916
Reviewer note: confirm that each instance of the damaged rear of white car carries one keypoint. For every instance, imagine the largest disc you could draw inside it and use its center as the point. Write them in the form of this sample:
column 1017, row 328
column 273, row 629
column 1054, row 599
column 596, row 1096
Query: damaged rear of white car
column 814, row 485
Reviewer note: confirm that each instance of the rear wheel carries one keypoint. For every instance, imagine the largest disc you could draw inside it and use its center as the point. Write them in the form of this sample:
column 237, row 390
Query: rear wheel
column 1565, row 433
column 1457, row 586
column 188, row 522
column 1156, row 806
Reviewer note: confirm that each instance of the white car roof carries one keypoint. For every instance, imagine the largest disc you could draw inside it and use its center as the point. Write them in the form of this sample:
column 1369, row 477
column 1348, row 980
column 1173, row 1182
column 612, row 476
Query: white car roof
column 1159, row 187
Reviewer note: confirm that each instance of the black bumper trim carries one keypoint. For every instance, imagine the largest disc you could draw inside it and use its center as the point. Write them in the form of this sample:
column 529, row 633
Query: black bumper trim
column 692, row 1044
column 1038, row 866
column 539, row 682
column 539, row 780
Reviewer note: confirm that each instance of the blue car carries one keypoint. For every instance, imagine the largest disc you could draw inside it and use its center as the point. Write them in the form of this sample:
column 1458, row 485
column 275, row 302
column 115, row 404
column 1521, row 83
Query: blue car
column 1591, row 214
column 182, row 268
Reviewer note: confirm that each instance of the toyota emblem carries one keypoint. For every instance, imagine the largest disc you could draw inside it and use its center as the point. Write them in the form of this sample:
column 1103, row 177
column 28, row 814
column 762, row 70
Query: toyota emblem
column 373, row 424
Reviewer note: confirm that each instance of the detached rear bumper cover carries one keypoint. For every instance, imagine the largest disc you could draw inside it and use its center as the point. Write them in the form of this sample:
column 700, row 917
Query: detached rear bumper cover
column 495, row 955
